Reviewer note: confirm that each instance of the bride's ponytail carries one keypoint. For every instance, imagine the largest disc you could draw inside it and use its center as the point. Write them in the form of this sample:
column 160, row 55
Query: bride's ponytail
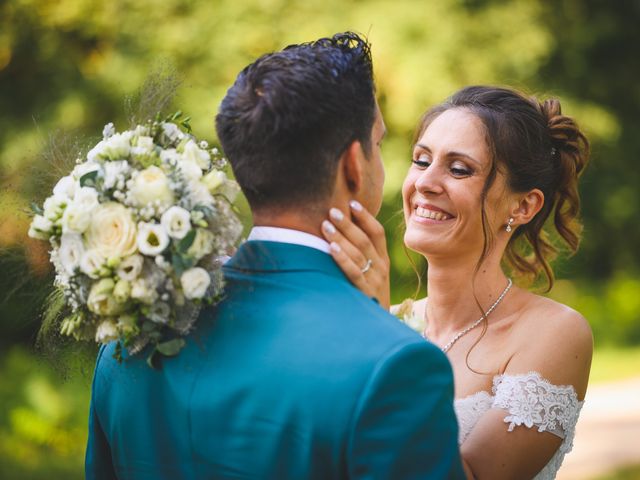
column 570, row 151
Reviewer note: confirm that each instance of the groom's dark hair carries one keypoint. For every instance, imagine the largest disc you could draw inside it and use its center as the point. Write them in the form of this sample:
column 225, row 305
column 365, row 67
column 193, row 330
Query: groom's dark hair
column 291, row 114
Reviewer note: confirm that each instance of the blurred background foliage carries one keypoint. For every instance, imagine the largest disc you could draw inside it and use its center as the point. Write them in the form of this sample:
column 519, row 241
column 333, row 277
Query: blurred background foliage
column 68, row 65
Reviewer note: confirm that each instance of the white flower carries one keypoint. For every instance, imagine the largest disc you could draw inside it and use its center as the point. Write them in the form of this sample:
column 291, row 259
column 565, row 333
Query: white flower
column 101, row 300
column 130, row 267
column 54, row 207
column 122, row 291
column 117, row 147
column 145, row 142
column 75, row 219
column 195, row 282
column 86, row 198
column 193, row 153
column 71, row 251
column 152, row 239
column 190, row 170
column 40, row 228
column 176, row 222
column 202, row 244
column 113, row 171
column 66, row 187
column 214, row 179
column 92, row 263
column 95, row 154
column 199, row 194
column 151, row 185
column 108, row 130
column 141, row 291
column 170, row 156
column 112, row 231
column 172, row 131
column 106, row 332
column 82, row 169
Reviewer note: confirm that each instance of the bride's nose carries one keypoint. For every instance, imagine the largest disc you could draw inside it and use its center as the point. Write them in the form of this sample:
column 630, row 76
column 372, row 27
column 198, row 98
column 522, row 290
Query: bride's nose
column 429, row 181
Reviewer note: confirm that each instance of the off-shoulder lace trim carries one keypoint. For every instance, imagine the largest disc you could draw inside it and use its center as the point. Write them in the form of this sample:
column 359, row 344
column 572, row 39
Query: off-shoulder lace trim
column 529, row 400
column 533, row 401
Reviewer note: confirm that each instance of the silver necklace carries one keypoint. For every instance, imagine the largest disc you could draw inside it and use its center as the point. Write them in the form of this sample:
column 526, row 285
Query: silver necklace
column 462, row 333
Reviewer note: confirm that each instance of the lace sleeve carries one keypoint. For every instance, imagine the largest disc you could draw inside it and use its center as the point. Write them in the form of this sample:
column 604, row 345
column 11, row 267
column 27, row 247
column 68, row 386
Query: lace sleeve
column 532, row 401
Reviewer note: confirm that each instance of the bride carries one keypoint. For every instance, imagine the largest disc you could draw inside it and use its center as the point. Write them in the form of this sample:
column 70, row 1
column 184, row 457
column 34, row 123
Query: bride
column 493, row 178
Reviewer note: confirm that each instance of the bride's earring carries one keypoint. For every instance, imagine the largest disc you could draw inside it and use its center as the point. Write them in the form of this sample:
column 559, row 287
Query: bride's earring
column 508, row 229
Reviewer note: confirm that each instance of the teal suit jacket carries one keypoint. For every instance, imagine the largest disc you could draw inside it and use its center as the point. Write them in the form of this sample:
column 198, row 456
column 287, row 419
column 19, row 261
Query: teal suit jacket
column 294, row 375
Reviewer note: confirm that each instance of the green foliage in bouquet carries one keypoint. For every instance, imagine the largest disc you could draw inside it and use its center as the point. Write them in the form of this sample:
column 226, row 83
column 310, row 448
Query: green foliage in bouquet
column 136, row 231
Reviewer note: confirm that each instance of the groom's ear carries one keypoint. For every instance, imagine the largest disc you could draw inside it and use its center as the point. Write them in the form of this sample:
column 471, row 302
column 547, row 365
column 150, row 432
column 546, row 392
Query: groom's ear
column 351, row 164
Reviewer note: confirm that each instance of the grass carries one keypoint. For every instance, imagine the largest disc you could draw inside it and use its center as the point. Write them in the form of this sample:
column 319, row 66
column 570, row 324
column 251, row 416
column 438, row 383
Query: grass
column 627, row 473
column 615, row 363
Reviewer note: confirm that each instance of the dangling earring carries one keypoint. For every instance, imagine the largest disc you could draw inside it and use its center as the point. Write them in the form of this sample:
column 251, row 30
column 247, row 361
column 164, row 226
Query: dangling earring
column 508, row 229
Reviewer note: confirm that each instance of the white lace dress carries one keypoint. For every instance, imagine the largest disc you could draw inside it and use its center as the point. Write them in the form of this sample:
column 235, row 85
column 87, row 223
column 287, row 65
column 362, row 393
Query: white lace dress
column 532, row 402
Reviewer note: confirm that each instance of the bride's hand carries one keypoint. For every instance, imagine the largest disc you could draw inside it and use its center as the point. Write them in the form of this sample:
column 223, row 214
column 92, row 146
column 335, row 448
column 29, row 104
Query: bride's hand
column 358, row 244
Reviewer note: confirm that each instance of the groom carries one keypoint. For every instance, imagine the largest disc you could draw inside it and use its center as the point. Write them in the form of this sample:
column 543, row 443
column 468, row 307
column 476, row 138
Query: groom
column 296, row 374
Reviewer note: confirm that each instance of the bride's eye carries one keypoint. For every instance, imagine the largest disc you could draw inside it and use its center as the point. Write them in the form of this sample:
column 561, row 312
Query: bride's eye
column 460, row 170
column 422, row 161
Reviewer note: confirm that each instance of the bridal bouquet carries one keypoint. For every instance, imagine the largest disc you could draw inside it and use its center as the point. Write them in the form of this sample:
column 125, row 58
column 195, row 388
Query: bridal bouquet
column 136, row 231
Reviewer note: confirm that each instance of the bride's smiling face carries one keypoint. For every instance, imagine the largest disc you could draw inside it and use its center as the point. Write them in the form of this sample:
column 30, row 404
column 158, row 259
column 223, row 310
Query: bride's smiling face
column 442, row 191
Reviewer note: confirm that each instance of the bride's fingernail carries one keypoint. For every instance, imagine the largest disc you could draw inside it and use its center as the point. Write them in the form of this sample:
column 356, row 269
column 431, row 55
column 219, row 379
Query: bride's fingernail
column 336, row 214
column 328, row 227
column 335, row 247
column 355, row 205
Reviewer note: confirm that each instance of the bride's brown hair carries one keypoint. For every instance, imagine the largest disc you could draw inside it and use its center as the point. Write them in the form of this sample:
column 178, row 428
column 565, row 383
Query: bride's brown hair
column 535, row 146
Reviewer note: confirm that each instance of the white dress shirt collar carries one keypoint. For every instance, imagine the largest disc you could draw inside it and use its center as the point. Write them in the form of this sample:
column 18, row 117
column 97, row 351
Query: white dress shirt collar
column 287, row 235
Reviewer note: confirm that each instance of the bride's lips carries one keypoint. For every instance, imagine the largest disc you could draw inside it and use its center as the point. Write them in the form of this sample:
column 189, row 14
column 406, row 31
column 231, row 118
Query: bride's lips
column 429, row 214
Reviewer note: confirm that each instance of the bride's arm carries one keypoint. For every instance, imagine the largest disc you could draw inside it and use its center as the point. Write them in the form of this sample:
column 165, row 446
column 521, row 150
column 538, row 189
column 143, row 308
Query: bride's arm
column 559, row 349
column 357, row 237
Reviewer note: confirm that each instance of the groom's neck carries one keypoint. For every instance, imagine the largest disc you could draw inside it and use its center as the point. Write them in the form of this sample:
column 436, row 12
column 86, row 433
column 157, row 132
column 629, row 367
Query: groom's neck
column 308, row 222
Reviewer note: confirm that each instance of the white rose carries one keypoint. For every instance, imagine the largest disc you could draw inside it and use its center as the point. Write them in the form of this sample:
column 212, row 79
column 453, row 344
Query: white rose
column 112, row 231
column 66, row 187
column 106, row 332
column 71, row 251
column 75, row 219
column 176, row 221
column 202, row 244
column 54, row 207
column 113, row 171
column 92, row 263
column 214, row 179
column 117, row 147
column 141, row 291
column 193, row 153
column 195, row 282
column 101, row 300
column 130, row 267
column 40, row 228
column 152, row 239
column 151, row 185
column 172, row 131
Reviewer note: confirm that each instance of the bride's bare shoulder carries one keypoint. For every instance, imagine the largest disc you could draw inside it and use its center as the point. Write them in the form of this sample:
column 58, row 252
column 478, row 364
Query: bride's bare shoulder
column 554, row 340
